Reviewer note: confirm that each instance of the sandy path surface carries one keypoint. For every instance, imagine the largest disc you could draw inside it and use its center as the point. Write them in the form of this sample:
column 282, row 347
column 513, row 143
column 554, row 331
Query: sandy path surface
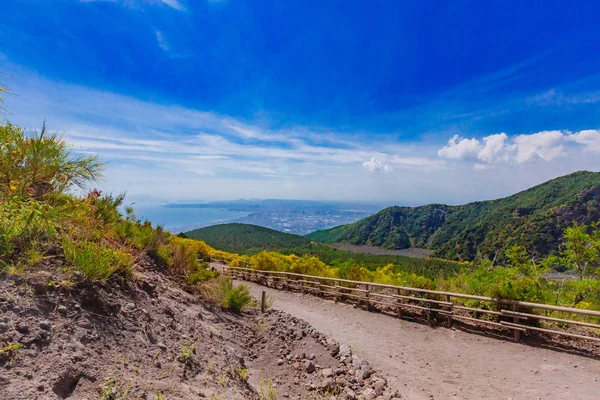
column 426, row 363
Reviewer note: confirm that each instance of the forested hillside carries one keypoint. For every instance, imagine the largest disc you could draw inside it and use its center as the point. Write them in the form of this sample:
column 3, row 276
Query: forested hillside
column 534, row 218
column 247, row 239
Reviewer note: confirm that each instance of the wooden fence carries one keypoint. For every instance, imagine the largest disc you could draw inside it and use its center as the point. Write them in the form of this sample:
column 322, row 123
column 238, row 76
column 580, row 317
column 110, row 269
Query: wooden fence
column 518, row 316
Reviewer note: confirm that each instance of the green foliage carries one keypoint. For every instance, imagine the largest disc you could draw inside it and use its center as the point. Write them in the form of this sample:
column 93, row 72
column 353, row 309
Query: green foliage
column 271, row 248
column 108, row 389
column 36, row 164
column 237, row 299
column 182, row 254
column 24, row 225
column 246, row 239
column 243, row 374
column 497, row 282
column 581, row 251
column 534, row 218
column 186, row 352
column 8, row 352
column 96, row 261
column 266, row 390
column 201, row 276
column 224, row 293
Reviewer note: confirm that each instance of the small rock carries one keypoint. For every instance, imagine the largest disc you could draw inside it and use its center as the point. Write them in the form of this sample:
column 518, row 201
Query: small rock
column 327, row 383
column 344, row 351
column 309, row 367
column 45, row 325
column 369, row 394
column 23, row 328
column 62, row 310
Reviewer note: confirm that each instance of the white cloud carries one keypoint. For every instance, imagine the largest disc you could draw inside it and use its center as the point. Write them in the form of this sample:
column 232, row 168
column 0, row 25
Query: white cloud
column 494, row 149
column 500, row 149
column 546, row 145
column 589, row 138
column 460, row 148
column 375, row 165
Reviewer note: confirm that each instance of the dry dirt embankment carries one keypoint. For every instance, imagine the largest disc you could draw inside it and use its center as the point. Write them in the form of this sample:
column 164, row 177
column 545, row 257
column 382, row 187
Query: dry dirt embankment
column 427, row 363
column 151, row 337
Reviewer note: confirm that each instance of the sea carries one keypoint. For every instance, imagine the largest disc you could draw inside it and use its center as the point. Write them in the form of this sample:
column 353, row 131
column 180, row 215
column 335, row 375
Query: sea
column 177, row 220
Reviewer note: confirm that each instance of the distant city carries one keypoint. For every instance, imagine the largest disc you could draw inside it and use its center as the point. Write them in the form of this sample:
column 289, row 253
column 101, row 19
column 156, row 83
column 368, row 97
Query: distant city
column 292, row 216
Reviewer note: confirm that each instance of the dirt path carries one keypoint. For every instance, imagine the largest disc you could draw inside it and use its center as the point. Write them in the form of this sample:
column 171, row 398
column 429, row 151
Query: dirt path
column 426, row 363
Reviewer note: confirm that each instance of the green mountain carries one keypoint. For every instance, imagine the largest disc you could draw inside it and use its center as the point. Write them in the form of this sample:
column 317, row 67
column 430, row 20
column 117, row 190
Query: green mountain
column 251, row 239
column 247, row 239
column 534, row 218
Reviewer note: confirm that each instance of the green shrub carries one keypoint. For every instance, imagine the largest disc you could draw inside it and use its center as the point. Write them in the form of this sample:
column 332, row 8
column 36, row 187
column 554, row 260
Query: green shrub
column 23, row 225
column 95, row 260
column 201, row 276
column 238, row 298
column 139, row 234
column 37, row 164
column 222, row 292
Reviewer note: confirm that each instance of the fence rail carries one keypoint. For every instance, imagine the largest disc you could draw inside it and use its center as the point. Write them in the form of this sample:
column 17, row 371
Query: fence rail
column 517, row 316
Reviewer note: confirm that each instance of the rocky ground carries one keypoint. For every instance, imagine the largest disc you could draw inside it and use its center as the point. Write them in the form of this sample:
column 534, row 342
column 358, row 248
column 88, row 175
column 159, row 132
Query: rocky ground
column 306, row 364
column 150, row 337
column 427, row 362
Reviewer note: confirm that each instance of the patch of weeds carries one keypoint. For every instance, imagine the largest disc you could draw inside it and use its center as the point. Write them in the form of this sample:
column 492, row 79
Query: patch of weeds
column 186, row 352
column 260, row 325
column 109, row 391
column 96, row 261
column 266, row 390
column 8, row 353
column 53, row 283
column 211, row 367
column 223, row 379
column 243, row 374
column 201, row 276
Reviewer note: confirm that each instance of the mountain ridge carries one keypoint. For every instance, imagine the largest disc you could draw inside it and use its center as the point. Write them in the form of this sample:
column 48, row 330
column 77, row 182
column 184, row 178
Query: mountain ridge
column 534, row 217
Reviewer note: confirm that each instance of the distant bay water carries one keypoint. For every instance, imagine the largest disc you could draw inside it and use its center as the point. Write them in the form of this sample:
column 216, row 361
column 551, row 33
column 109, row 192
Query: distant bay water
column 177, row 220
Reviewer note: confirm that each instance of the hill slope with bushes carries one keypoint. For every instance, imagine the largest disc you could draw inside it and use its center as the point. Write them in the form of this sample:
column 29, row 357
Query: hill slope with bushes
column 246, row 238
column 534, row 218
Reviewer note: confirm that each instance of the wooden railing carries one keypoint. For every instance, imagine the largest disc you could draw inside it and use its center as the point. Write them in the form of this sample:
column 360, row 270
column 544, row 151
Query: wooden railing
column 518, row 316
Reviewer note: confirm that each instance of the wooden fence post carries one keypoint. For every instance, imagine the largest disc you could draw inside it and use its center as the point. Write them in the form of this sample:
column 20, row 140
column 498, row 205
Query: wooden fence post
column 399, row 301
column 368, row 302
column 449, row 321
column 516, row 332
column 263, row 302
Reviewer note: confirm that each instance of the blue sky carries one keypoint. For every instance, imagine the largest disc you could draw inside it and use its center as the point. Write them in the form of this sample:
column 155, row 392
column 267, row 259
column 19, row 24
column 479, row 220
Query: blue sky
column 401, row 102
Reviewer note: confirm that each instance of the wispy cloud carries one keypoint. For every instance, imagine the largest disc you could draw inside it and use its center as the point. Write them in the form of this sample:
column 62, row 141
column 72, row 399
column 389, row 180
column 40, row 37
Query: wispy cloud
column 176, row 4
column 173, row 153
column 162, row 43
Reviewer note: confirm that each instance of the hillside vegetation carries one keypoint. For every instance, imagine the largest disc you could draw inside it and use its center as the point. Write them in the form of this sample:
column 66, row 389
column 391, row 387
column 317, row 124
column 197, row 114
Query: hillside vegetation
column 247, row 239
column 534, row 218
column 43, row 226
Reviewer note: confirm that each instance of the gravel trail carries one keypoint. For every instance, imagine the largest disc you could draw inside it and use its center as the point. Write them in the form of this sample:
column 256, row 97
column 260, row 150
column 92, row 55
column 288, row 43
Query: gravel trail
column 441, row 363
